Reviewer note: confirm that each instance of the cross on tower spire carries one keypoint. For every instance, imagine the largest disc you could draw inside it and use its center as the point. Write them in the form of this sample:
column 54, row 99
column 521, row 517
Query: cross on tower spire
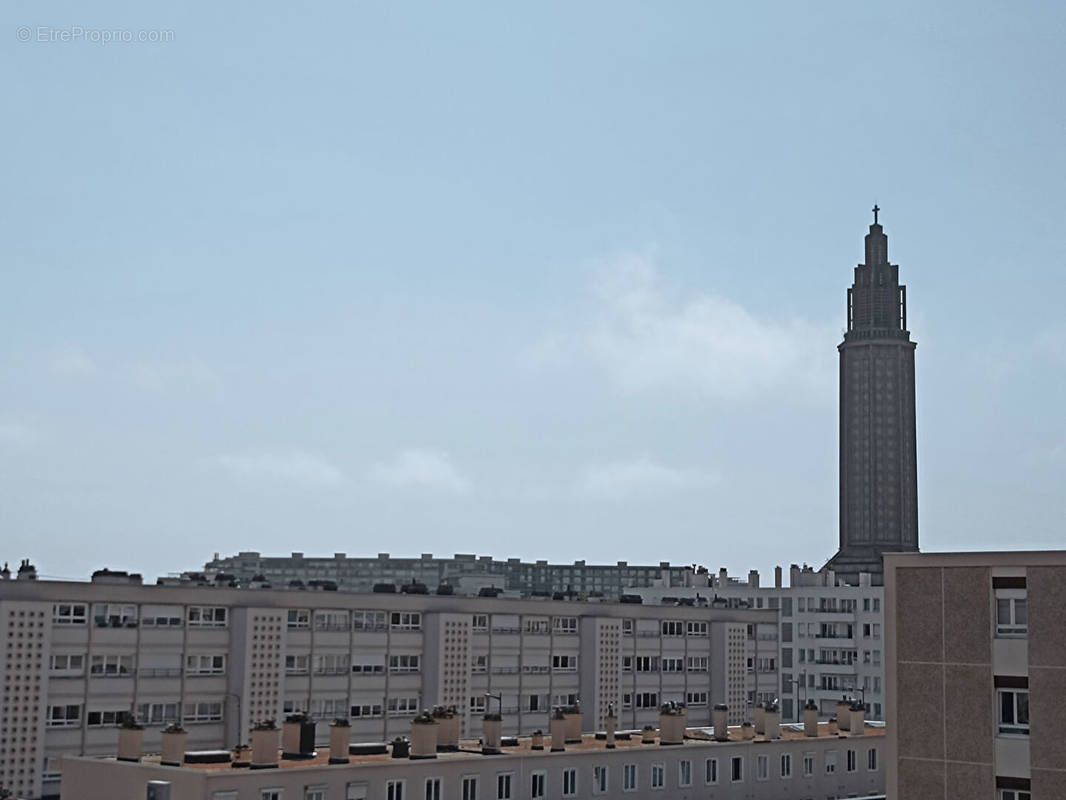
column 876, row 209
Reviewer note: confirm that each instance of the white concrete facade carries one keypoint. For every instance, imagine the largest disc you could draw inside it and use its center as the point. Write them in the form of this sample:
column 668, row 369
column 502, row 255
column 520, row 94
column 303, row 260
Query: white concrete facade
column 80, row 656
column 831, row 637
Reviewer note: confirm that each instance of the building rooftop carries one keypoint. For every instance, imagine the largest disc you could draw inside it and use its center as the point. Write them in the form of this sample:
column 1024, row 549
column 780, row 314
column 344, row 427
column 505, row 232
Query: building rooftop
column 470, row 749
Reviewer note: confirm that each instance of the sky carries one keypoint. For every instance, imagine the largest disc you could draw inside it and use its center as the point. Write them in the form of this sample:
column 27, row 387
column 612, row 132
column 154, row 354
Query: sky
column 546, row 280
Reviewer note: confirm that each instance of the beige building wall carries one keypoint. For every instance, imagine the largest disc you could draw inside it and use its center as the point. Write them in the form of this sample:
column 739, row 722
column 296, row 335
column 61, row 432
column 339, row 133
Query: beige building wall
column 957, row 655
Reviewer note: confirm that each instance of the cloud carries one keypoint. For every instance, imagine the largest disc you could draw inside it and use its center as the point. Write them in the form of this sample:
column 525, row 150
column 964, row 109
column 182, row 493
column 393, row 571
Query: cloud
column 17, row 434
column 419, row 468
column 72, row 362
column 620, row 479
column 645, row 340
column 164, row 376
column 300, row 469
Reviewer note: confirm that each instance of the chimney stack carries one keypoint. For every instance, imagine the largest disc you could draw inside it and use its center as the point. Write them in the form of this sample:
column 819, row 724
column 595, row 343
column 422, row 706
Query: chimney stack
column 173, row 750
column 772, row 722
column 424, row 730
column 857, row 725
column 130, row 740
column 339, row 733
column 673, row 719
column 760, row 719
column 265, row 745
column 747, row 731
column 298, row 737
column 557, row 728
column 611, row 726
column 844, row 714
column 491, row 734
column 810, row 719
column 777, row 577
column 720, row 718
column 448, row 728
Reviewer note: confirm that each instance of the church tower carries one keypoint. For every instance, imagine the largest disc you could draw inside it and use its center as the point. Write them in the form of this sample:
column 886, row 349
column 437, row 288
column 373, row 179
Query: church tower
column 878, row 461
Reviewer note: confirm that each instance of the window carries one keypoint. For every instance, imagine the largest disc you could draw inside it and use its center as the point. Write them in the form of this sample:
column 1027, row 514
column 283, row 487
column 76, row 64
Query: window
column 1014, row 711
column 629, row 777
column 356, row 791
column 673, row 627
column 684, row 773
column 102, row 719
column 762, row 767
column 331, row 620
column 808, row 765
column 114, row 615
column 627, row 700
column 673, row 664
column 406, row 621
column 658, row 775
column 877, row 604
column 696, row 698
column 206, row 617
column 68, row 614
column 480, row 623
column 202, row 712
column 271, row 794
column 394, row 789
column 503, row 785
column 299, row 618
column 403, row 663
column 226, row 795
column 69, row 664
column 368, row 620
column 1012, row 613
column 710, row 773
column 736, row 768
column 627, row 627
column 599, row 779
column 851, row 760
column 830, row 762
column 538, row 625
column 786, row 765
column 111, row 666
column 536, row 784
column 696, row 664
column 871, row 759
column 569, row 782
column 477, row 704
column 317, row 792
column 564, row 663
column 696, row 628
column 403, row 706
column 564, row 625
column 647, row 663
column 433, row 789
column 205, row 665
column 64, row 716
column 1014, row 794
column 366, row 710
column 647, row 699
column 157, row 713
column 296, row 664
column 627, row 663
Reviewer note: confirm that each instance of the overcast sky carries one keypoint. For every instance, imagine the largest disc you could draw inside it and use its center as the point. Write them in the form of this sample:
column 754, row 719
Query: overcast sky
column 558, row 280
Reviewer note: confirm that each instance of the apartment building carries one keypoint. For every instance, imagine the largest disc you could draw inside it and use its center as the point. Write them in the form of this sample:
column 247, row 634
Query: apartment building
column 977, row 647
column 831, row 636
column 80, row 657
column 462, row 573
column 790, row 762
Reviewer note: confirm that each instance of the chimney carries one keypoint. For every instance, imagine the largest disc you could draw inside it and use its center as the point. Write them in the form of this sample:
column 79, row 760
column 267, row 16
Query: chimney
column 810, row 719
column 747, row 731
column 772, row 722
column 424, row 736
column 647, row 734
column 753, row 578
column 157, row 790
column 858, row 719
column 265, row 745
column 760, row 719
column 777, row 577
column 834, row 729
column 130, row 740
column 844, row 714
column 673, row 720
column 536, row 741
column 339, row 734
column 723, row 576
column 574, row 720
column 173, row 750
column 611, row 725
column 720, row 718
column 27, row 572
column 298, row 738
column 557, row 729
column 491, row 734
column 447, row 728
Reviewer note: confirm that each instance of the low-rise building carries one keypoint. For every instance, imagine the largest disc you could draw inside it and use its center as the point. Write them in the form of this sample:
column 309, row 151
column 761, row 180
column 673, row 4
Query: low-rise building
column 977, row 675
column 789, row 762
column 79, row 658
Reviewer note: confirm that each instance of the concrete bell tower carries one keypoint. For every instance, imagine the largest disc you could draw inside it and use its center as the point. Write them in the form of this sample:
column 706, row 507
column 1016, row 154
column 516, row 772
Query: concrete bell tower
column 878, row 443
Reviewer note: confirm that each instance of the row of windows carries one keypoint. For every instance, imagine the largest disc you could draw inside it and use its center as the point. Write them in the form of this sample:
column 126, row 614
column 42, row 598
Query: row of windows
column 69, row 716
column 120, row 616
column 506, row 785
column 664, row 664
